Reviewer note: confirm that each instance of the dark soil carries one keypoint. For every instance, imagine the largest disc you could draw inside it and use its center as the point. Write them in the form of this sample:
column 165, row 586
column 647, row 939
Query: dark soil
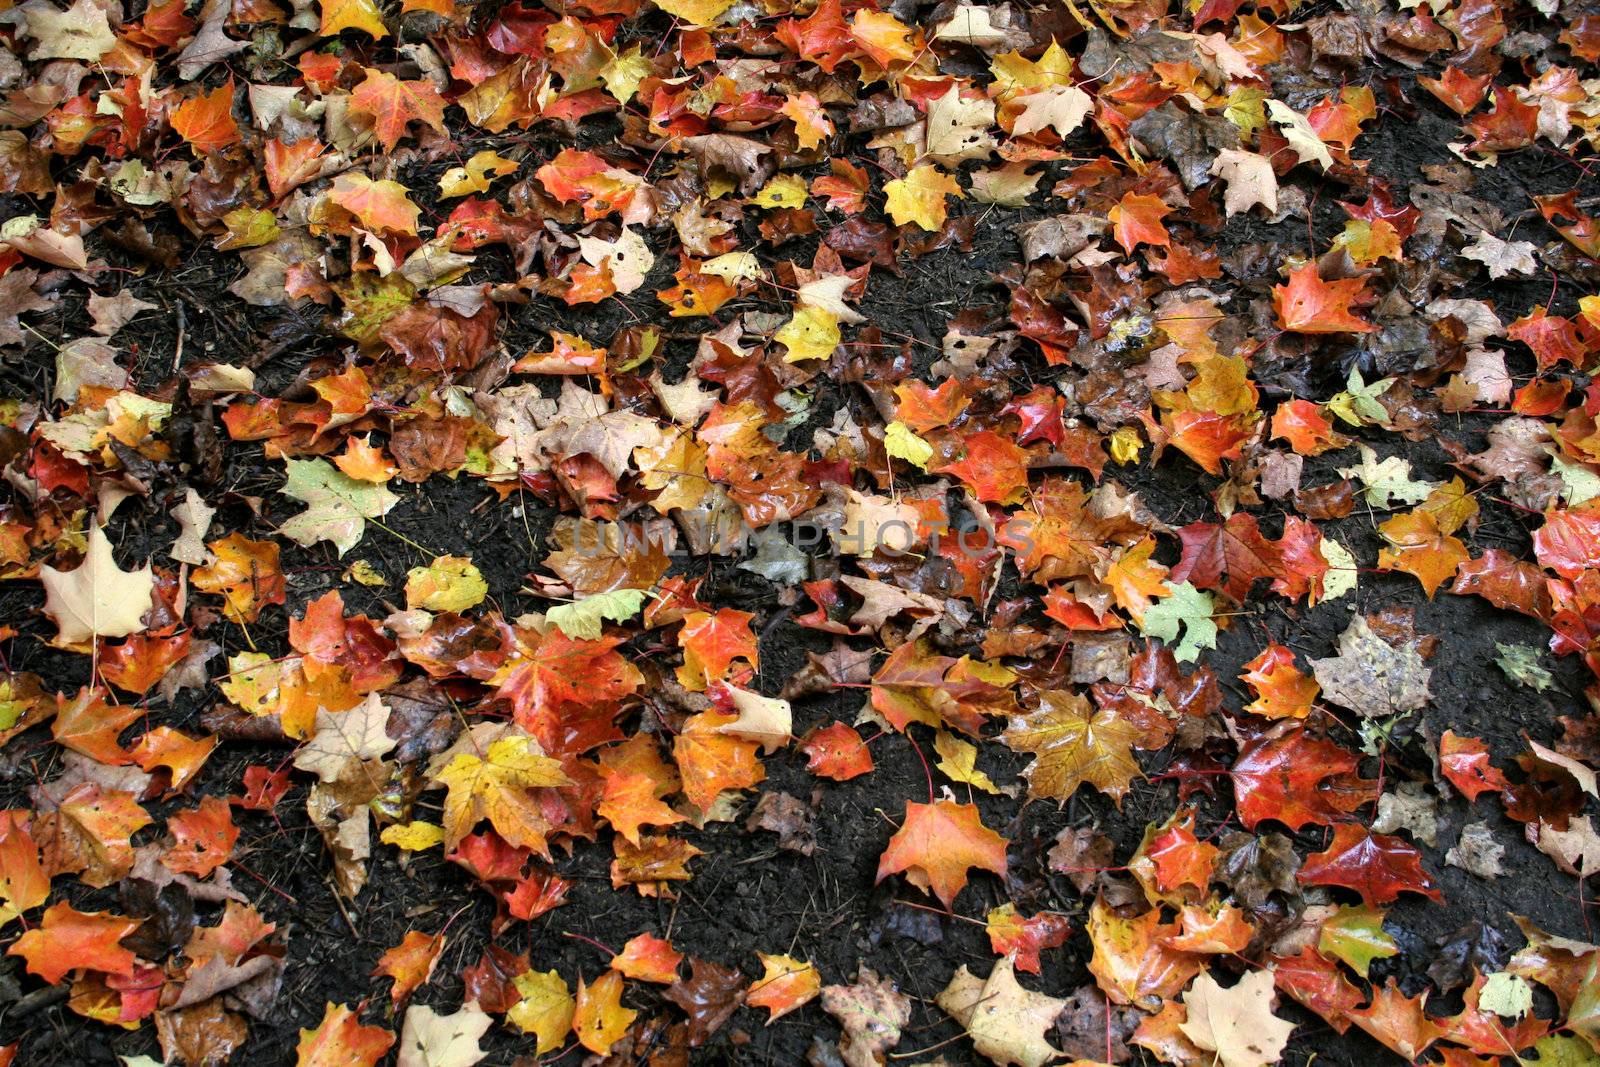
column 746, row 894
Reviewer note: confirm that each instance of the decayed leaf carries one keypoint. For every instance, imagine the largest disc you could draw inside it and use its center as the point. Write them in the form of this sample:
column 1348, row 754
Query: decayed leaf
column 1371, row 676
column 1006, row 1022
column 82, row 31
column 1250, row 179
column 873, row 1013
column 343, row 740
column 97, row 598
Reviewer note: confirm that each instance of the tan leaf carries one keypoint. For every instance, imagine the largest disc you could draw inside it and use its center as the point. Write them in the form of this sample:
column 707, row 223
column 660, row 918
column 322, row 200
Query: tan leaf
column 98, row 599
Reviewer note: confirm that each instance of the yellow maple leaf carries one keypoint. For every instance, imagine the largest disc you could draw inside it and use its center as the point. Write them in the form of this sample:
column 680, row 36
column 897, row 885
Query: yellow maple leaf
column 813, row 333
column 497, row 787
column 352, row 15
column 700, row 13
column 919, row 197
column 1074, row 744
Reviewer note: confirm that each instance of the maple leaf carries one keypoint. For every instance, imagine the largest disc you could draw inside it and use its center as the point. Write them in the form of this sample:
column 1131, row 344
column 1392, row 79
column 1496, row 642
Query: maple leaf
column 709, row 997
column 340, row 1040
column 381, row 206
column 1228, row 556
column 648, row 958
column 696, row 12
column 1136, row 219
column 630, row 801
column 1060, row 107
column 429, row 1039
column 1307, row 304
column 1297, row 778
column 339, row 505
column 1022, row 939
column 1132, row 963
column 97, row 598
column 1006, row 1022
column 599, row 1018
column 544, row 1008
column 1074, row 744
column 206, row 121
column 67, row 939
column 936, row 846
column 1378, row 866
column 1250, row 179
column 1282, row 692
column 995, row 468
column 883, row 37
column 82, row 31
column 919, row 197
column 1298, row 131
column 343, row 740
column 361, row 15
column 202, row 839
column 410, row 963
column 873, row 1013
column 1186, row 607
column 392, row 104
column 496, row 787
column 1397, row 1021
column 836, row 751
column 711, row 643
column 449, row 583
column 956, row 129
column 1464, row 761
column 785, row 985
column 1236, row 1023
column 712, row 760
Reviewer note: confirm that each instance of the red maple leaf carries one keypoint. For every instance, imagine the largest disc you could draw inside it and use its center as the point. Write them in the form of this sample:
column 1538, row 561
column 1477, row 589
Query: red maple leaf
column 1296, row 778
column 1228, row 556
column 1378, row 866
column 1464, row 761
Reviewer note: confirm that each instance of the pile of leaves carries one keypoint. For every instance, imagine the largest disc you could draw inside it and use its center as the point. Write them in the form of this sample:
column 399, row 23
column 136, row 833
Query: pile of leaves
column 1143, row 532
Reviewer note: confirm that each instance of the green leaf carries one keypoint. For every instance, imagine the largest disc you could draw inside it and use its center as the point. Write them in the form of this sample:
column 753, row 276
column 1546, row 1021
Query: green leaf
column 1190, row 608
column 1521, row 664
column 339, row 505
column 1358, row 404
column 1356, row 936
column 582, row 618
column 1388, row 481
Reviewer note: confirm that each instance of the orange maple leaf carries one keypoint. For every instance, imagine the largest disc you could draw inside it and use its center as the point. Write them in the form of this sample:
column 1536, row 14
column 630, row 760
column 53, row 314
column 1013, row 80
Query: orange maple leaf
column 341, row 1041
column 410, row 963
column 68, row 940
column 936, row 846
column 392, row 104
column 1310, row 305
column 1136, row 219
column 207, row 122
column 382, row 207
